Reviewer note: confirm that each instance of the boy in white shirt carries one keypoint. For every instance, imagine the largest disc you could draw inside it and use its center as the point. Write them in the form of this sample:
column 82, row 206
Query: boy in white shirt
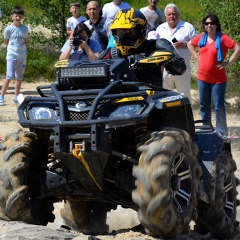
column 16, row 39
column 73, row 21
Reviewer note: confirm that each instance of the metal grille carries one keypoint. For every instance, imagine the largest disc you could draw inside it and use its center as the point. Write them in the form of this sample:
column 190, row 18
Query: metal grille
column 73, row 102
column 75, row 116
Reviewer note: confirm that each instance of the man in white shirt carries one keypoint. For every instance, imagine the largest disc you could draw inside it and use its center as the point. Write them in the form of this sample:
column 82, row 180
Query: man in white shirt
column 154, row 16
column 110, row 9
column 180, row 33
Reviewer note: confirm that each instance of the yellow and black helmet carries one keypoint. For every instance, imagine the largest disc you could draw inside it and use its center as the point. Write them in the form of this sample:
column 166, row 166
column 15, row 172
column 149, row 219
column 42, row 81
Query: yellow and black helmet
column 128, row 30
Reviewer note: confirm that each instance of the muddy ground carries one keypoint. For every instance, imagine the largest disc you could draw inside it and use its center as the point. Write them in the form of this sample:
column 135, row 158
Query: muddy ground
column 121, row 220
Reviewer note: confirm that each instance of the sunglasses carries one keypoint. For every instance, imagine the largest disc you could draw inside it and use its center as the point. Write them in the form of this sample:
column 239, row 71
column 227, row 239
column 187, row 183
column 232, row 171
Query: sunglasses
column 211, row 23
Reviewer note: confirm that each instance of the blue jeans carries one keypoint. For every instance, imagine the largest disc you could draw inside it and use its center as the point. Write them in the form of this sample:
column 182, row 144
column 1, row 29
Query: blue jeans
column 217, row 92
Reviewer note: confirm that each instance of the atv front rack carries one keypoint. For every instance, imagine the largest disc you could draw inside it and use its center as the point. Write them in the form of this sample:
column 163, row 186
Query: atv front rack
column 95, row 100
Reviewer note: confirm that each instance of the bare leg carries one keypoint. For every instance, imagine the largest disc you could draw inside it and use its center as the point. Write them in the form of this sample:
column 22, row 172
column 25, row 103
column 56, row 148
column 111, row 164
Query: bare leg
column 5, row 86
column 18, row 85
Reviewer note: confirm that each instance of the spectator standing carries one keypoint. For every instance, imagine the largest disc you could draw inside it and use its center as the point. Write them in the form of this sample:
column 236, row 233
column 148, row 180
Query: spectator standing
column 111, row 9
column 154, row 16
column 180, row 33
column 16, row 38
column 97, row 24
column 85, row 49
column 73, row 21
column 213, row 47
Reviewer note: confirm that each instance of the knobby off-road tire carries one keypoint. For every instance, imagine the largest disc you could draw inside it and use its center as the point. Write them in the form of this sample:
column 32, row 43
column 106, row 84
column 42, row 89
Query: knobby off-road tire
column 220, row 218
column 15, row 152
column 167, row 183
column 88, row 217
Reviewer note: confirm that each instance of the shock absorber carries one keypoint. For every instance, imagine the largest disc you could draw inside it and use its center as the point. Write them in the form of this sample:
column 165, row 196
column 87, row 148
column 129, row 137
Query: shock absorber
column 140, row 133
column 52, row 161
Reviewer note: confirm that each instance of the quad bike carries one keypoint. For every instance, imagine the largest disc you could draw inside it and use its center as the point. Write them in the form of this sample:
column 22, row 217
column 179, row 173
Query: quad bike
column 99, row 138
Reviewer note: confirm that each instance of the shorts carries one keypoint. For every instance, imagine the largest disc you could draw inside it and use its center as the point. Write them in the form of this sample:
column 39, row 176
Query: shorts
column 17, row 68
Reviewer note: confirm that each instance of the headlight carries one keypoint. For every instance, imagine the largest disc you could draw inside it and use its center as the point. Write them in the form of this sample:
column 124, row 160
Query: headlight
column 126, row 111
column 44, row 113
column 92, row 71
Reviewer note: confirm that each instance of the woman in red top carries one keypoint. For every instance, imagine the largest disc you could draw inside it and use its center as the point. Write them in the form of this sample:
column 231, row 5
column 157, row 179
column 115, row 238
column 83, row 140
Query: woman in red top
column 212, row 78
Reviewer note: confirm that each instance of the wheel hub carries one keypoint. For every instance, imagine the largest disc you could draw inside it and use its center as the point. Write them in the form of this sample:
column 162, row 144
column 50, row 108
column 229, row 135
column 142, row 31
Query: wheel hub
column 175, row 182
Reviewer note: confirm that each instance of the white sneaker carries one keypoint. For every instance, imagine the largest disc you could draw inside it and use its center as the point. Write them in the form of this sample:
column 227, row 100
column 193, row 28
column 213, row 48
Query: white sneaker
column 20, row 98
column 15, row 100
column 2, row 102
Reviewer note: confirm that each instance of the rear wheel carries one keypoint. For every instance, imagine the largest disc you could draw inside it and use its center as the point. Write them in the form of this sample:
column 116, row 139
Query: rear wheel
column 16, row 151
column 220, row 218
column 167, row 182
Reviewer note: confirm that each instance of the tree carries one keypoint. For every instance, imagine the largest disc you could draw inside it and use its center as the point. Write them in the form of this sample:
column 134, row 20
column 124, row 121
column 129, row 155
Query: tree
column 53, row 15
column 228, row 12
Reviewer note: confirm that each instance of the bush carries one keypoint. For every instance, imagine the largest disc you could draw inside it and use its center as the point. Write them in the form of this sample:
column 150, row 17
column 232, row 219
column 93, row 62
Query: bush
column 39, row 65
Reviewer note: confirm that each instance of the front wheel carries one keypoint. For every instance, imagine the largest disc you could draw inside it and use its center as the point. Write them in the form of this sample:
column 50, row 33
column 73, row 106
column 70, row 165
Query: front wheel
column 167, row 183
column 220, row 218
column 16, row 152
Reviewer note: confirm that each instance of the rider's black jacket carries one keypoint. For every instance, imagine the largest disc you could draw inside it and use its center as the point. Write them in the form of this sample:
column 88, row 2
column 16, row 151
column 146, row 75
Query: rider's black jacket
column 151, row 73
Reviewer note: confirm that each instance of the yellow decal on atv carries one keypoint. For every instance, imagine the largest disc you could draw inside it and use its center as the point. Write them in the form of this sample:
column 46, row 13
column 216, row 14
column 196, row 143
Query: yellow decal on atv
column 150, row 92
column 173, row 104
column 130, row 99
column 138, row 98
column 61, row 63
column 160, row 53
column 154, row 59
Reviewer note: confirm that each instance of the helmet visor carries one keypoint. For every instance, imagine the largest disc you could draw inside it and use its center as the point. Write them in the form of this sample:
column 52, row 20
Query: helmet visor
column 125, row 36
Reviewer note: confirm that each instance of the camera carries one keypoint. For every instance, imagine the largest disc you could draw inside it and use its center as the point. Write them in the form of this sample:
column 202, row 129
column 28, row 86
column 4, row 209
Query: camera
column 77, row 41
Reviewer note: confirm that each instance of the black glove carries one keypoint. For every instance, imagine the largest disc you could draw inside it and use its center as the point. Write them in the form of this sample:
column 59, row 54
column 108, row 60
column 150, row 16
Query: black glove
column 176, row 67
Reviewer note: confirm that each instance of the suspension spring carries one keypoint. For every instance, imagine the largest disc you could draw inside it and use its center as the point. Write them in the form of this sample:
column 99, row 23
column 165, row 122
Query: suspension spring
column 140, row 133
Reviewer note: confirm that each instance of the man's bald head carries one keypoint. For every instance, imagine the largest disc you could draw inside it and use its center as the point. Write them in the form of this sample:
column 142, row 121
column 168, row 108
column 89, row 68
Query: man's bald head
column 93, row 10
column 93, row 3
